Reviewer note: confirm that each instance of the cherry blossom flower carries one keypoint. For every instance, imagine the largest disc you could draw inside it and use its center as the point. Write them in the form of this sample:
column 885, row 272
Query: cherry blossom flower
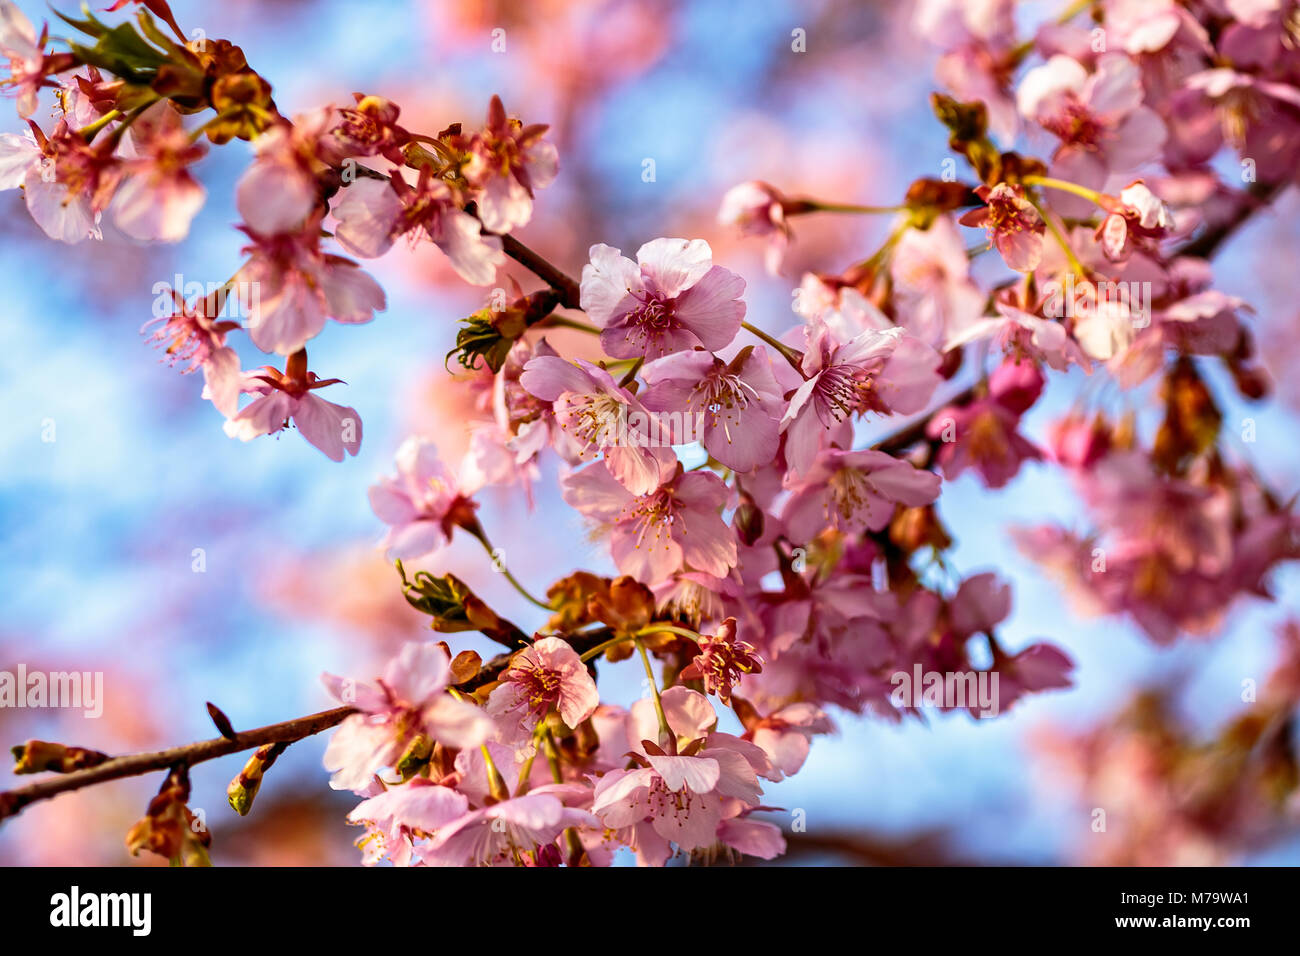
column 367, row 129
column 736, row 405
column 158, row 197
column 672, row 298
column 854, row 491
column 683, row 793
column 883, row 372
column 757, row 209
column 785, row 735
column 25, row 51
column 500, row 834
column 410, row 699
column 373, row 214
column 294, row 287
column 1013, row 224
column 279, row 191
column 398, row 816
column 423, row 504
column 935, row 295
column 722, row 660
column 289, row 396
column 66, row 181
column 194, row 338
column 983, row 434
column 654, row 535
column 601, row 416
column 1099, row 118
column 507, row 161
column 1025, row 334
column 545, row 675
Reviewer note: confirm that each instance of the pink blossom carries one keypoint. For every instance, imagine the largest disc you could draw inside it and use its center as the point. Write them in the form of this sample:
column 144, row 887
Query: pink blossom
column 933, row 289
column 682, row 793
column 410, row 699
column 756, row 209
column 599, row 415
column 722, row 660
column 66, row 182
column 1013, row 225
column 507, row 161
column 884, row 372
column 786, row 736
column 294, row 287
column 1025, row 334
column 194, row 338
column 373, row 214
column 652, row 536
column 545, row 675
column 423, row 504
column 1099, row 118
column 500, row 834
column 735, row 406
column 982, row 435
column 159, row 198
column 672, row 298
column 25, row 52
column 367, row 129
column 279, row 191
column 398, row 816
column 854, row 491
column 290, row 396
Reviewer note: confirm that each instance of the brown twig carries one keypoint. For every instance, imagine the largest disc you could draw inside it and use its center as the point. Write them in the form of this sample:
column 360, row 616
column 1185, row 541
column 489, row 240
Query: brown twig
column 132, row 765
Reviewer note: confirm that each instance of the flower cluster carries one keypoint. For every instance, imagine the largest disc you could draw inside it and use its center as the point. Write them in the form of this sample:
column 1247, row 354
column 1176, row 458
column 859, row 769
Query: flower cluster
column 767, row 486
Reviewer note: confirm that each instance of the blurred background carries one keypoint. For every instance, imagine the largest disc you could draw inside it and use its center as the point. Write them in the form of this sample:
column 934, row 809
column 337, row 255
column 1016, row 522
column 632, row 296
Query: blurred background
column 99, row 527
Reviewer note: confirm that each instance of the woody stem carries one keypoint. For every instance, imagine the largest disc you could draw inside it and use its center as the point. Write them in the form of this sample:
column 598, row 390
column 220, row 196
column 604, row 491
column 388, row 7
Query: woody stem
column 132, row 765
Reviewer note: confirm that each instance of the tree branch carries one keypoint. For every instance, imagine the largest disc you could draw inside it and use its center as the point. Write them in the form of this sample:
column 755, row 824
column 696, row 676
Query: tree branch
column 132, row 765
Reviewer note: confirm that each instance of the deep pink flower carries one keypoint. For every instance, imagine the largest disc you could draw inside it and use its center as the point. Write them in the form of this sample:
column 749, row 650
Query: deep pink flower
column 722, row 661
column 982, row 435
column 672, row 298
column 1013, row 225
column 410, row 699
column 423, row 504
column 652, row 536
column 545, row 675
